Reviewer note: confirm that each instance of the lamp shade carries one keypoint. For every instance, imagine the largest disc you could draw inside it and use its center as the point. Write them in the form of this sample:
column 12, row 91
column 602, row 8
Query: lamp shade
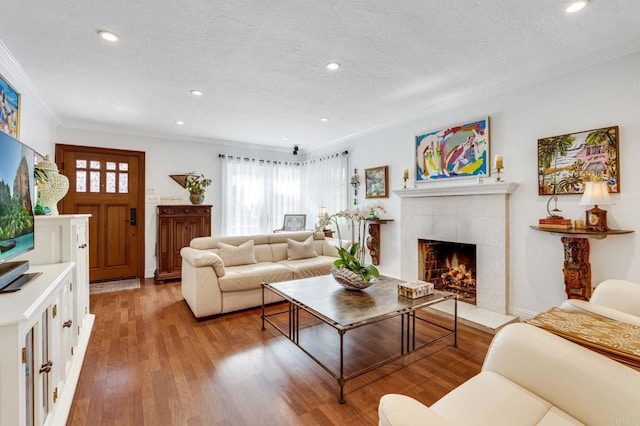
column 596, row 193
column 322, row 211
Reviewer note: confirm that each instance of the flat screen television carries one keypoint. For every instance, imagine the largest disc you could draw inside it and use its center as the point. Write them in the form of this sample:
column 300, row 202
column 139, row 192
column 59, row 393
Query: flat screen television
column 16, row 210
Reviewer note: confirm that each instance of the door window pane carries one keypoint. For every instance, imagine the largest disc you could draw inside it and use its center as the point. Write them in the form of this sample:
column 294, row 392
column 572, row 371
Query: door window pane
column 81, row 181
column 111, row 165
column 124, row 166
column 124, row 183
column 94, row 184
column 111, row 181
column 81, row 164
column 95, row 164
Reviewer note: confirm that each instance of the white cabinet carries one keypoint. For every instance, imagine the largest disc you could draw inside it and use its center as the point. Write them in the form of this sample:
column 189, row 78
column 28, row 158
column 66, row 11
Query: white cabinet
column 45, row 327
column 65, row 238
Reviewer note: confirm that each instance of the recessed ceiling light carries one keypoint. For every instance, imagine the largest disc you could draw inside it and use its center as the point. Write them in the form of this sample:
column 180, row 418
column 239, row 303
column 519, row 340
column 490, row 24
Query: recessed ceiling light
column 180, row 123
column 576, row 6
column 196, row 92
column 108, row 35
column 324, row 119
column 333, row 66
column 285, row 138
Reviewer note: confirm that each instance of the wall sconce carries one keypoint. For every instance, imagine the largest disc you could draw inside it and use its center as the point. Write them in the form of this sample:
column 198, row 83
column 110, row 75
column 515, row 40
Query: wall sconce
column 355, row 182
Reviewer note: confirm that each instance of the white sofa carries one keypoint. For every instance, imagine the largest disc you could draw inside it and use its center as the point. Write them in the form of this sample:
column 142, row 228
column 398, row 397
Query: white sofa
column 530, row 377
column 614, row 299
column 211, row 288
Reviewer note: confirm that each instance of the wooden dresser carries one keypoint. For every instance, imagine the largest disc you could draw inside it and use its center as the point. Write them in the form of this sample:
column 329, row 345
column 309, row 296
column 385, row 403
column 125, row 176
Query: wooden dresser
column 177, row 226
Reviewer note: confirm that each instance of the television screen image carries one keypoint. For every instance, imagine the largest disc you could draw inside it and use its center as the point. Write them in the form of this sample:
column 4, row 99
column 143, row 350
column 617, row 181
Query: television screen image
column 16, row 198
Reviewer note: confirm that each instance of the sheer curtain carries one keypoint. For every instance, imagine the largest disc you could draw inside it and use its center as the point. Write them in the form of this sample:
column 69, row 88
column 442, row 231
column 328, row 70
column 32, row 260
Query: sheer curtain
column 325, row 183
column 256, row 194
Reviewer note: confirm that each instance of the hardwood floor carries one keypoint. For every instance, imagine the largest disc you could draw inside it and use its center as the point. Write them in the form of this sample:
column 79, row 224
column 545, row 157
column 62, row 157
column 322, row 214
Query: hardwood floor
column 150, row 363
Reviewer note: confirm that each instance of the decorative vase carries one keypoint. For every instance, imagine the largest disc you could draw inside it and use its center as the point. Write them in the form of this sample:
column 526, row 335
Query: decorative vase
column 196, row 198
column 54, row 188
column 349, row 279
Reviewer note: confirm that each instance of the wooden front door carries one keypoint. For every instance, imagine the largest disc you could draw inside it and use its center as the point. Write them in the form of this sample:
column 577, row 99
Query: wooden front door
column 109, row 185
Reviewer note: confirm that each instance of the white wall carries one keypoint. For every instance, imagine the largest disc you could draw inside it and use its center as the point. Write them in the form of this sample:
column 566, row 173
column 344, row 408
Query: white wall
column 38, row 121
column 166, row 157
column 597, row 96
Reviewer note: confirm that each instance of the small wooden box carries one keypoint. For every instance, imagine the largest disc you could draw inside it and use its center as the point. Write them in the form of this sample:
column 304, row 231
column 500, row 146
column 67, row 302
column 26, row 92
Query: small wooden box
column 415, row 289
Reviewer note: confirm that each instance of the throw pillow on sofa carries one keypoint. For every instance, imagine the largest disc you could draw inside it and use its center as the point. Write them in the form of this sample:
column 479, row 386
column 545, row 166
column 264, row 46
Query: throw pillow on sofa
column 240, row 255
column 301, row 250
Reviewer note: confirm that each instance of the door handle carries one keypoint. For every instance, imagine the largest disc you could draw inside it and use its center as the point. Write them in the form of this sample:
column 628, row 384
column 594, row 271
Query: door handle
column 133, row 217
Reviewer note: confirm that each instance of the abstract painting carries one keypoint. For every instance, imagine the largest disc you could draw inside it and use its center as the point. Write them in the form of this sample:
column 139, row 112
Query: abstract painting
column 460, row 150
column 567, row 162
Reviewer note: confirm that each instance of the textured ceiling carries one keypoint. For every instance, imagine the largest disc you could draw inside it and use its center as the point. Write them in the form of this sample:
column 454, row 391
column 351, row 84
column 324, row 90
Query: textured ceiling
column 261, row 64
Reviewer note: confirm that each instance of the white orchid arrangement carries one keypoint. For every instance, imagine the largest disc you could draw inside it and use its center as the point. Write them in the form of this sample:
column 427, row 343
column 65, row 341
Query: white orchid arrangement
column 356, row 219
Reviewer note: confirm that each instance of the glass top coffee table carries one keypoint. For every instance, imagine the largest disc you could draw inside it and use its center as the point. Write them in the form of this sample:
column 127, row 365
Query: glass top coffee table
column 344, row 310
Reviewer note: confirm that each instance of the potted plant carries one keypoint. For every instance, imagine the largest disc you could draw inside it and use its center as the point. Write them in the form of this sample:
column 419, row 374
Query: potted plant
column 350, row 270
column 41, row 177
column 195, row 185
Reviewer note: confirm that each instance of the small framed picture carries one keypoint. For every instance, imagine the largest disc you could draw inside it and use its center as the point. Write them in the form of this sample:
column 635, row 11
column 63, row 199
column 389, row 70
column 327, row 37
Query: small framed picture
column 294, row 222
column 376, row 181
column 9, row 109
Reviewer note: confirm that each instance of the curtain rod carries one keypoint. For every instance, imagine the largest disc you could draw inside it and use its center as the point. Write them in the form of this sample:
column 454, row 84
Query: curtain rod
column 325, row 157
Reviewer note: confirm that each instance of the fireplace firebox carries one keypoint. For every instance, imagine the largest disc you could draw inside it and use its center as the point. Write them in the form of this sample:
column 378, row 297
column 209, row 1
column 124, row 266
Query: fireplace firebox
column 450, row 266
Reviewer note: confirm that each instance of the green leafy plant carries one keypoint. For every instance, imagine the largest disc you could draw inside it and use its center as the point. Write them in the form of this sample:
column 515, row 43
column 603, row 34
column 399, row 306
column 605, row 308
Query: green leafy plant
column 356, row 219
column 196, row 184
column 349, row 260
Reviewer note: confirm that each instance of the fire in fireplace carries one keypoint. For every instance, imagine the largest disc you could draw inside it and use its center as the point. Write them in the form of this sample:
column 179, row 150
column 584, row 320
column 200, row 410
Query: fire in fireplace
column 450, row 266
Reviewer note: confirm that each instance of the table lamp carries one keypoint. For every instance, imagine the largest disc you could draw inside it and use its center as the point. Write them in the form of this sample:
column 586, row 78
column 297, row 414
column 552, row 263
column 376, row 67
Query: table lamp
column 322, row 215
column 596, row 193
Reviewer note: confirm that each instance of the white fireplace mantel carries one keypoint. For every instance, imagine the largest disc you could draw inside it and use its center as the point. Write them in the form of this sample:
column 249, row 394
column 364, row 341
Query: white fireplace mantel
column 464, row 212
column 445, row 189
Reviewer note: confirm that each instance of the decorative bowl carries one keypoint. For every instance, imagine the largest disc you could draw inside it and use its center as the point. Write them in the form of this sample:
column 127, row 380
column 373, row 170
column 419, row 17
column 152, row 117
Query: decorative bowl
column 349, row 279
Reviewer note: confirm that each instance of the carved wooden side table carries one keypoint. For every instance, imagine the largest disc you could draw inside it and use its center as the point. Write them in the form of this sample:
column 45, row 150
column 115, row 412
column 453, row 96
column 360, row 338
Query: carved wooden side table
column 373, row 240
column 576, row 268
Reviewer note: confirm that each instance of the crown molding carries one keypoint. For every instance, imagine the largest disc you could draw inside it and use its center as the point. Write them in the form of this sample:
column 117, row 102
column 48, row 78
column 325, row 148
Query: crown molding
column 20, row 79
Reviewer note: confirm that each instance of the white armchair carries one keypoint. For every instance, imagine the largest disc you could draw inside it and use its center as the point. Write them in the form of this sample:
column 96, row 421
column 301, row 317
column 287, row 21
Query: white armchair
column 529, row 377
column 614, row 299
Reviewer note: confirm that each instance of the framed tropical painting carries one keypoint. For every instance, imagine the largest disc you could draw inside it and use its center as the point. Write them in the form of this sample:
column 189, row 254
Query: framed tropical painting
column 567, row 162
column 459, row 150
column 9, row 109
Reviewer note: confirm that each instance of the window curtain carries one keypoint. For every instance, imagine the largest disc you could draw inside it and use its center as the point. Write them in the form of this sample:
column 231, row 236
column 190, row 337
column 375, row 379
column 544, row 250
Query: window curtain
column 256, row 194
column 325, row 183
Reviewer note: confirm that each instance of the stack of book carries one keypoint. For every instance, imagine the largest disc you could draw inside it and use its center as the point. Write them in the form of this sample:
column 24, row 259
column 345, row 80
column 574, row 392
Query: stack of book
column 554, row 222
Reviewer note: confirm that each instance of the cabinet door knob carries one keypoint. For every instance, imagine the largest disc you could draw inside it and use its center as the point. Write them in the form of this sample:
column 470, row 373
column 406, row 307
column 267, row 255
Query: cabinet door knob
column 67, row 324
column 46, row 368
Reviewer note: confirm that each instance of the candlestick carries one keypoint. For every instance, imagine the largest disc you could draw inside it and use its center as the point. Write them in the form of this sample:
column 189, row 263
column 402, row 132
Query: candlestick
column 499, row 164
column 405, row 178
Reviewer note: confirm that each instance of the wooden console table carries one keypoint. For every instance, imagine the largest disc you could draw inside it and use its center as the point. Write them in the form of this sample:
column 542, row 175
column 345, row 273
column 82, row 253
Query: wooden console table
column 577, row 269
column 373, row 240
